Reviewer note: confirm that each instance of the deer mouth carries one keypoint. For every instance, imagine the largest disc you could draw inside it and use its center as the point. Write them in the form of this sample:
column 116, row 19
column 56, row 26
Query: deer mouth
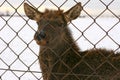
column 46, row 40
column 41, row 39
column 42, row 42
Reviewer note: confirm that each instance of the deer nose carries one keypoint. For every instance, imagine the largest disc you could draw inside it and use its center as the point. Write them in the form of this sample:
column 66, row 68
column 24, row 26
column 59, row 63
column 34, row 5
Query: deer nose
column 41, row 35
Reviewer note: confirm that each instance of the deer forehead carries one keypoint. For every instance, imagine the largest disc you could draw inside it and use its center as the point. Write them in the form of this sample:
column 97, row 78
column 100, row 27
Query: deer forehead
column 52, row 15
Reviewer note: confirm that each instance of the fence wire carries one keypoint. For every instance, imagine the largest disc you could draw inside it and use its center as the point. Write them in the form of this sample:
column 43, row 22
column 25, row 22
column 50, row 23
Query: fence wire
column 97, row 27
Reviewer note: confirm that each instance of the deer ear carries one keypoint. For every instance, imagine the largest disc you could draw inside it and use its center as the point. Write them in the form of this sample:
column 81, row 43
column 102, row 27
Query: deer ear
column 74, row 12
column 31, row 12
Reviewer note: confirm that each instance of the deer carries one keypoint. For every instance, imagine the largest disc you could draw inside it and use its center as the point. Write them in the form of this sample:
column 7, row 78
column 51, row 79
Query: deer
column 60, row 57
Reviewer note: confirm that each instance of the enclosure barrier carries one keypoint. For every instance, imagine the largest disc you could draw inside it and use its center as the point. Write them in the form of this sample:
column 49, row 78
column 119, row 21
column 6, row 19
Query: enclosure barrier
column 18, row 50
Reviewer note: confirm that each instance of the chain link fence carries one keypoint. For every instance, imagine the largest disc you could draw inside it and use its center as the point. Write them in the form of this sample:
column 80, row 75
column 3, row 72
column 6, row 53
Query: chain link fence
column 97, row 27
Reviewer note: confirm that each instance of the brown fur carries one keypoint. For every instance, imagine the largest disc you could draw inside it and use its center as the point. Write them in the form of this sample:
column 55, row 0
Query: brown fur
column 61, row 59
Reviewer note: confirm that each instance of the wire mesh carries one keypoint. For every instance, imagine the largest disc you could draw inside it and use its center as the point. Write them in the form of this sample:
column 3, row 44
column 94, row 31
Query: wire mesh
column 97, row 27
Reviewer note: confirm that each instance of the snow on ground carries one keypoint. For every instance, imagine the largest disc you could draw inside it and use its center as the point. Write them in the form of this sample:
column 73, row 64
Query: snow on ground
column 19, row 52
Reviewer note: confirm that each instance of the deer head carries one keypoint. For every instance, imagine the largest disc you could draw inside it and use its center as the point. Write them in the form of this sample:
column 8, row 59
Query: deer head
column 52, row 25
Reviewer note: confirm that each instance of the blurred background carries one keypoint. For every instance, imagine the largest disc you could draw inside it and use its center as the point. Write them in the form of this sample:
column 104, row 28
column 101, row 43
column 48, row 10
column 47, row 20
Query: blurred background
column 94, row 8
